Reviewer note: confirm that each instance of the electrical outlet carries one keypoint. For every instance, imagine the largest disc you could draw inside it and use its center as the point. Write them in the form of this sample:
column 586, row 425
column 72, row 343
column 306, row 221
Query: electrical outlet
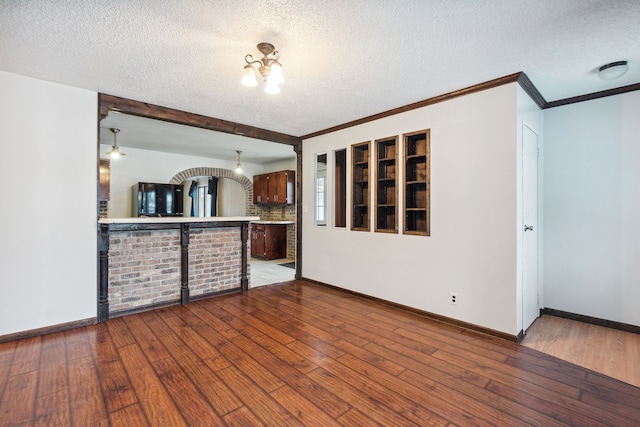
column 454, row 298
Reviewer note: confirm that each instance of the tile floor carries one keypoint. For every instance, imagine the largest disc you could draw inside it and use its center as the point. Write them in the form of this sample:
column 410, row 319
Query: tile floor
column 269, row 272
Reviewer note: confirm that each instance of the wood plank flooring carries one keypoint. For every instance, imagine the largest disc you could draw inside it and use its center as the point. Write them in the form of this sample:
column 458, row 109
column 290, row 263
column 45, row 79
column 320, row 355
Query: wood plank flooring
column 609, row 351
column 296, row 354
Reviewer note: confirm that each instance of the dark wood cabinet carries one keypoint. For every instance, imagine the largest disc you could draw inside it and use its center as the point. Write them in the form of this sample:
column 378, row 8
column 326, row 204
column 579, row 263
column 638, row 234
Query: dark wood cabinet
column 269, row 241
column 260, row 189
column 257, row 240
column 105, row 179
column 274, row 188
column 417, row 173
column 386, row 190
column 360, row 186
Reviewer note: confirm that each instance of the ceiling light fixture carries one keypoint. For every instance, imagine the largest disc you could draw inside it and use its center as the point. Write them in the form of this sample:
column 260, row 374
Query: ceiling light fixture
column 115, row 152
column 269, row 67
column 238, row 165
column 613, row 71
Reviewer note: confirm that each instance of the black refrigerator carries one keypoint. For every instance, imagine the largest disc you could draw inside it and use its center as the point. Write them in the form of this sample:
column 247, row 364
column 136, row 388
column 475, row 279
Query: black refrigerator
column 151, row 199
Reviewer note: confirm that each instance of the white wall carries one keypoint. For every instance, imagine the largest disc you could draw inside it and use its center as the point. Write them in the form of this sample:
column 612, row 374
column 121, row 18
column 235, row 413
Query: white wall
column 530, row 115
column 154, row 166
column 472, row 247
column 592, row 208
column 232, row 198
column 289, row 164
column 48, row 175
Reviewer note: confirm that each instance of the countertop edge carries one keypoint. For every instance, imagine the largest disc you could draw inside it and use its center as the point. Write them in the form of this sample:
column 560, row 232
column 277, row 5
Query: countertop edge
column 176, row 220
column 267, row 222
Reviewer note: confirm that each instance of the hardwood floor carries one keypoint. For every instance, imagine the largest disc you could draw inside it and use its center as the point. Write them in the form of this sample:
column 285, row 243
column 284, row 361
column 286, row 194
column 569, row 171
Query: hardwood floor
column 296, row 354
column 609, row 351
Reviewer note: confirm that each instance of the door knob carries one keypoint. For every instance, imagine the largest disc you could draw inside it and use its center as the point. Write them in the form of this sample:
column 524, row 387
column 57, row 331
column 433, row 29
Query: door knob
column 528, row 228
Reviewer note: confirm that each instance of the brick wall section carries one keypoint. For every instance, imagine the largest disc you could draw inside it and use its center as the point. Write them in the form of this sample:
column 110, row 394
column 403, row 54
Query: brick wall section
column 104, row 208
column 187, row 174
column 215, row 261
column 144, row 268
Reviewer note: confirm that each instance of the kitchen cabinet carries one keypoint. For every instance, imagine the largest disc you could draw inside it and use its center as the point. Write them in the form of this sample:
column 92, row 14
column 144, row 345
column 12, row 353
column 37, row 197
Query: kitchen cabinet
column 274, row 188
column 269, row 241
column 260, row 189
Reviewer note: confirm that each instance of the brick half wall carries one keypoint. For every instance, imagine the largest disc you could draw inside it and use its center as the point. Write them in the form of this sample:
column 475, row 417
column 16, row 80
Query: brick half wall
column 214, row 260
column 144, row 268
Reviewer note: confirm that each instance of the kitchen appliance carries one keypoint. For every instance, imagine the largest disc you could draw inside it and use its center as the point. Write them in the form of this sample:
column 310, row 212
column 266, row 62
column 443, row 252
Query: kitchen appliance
column 152, row 199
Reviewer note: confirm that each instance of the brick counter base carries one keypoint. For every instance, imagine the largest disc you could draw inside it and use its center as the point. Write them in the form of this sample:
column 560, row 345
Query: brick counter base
column 144, row 266
column 214, row 260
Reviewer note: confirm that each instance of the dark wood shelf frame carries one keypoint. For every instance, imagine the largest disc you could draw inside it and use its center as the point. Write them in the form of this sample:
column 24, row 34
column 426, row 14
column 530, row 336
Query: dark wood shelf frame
column 417, row 183
column 386, row 185
column 360, row 177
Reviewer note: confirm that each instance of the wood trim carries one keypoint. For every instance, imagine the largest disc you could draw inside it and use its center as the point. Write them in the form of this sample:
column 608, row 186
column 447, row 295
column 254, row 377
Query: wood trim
column 128, row 226
column 299, row 213
column 531, row 90
column 352, row 183
column 185, row 232
column 128, row 106
column 244, row 236
column 143, row 226
column 142, row 309
column 438, row 317
column 520, row 336
column 427, row 181
column 376, row 183
column 591, row 96
column 48, row 330
column 103, row 268
column 512, row 78
column 217, row 294
column 591, row 320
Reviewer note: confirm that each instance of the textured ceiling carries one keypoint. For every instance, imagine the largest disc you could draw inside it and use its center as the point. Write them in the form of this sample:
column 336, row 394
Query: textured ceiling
column 342, row 60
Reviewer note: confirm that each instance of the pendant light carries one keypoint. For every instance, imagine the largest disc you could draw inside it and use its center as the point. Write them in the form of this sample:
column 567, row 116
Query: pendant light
column 238, row 165
column 115, row 152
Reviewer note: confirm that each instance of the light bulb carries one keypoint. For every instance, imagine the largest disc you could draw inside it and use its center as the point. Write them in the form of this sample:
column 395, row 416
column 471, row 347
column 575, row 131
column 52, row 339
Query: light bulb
column 272, row 86
column 249, row 78
column 115, row 153
column 276, row 72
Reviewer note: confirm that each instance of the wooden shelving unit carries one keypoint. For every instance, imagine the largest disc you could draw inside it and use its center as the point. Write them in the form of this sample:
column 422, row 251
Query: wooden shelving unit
column 386, row 187
column 417, row 177
column 360, row 157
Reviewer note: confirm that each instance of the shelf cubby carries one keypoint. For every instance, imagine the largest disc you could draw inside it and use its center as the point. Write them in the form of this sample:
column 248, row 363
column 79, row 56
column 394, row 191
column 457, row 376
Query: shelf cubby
column 386, row 185
column 416, row 185
column 360, row 158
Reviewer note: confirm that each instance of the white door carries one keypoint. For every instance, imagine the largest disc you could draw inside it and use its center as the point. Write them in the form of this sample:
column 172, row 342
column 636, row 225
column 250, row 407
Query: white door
column 530, row 301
